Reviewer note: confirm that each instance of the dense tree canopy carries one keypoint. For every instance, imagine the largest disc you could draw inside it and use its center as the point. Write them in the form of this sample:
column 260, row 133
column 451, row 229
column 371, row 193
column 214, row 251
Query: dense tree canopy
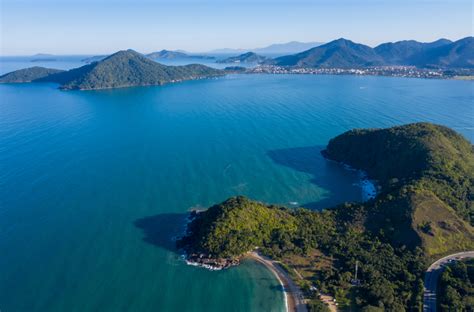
column 426, row 173
column 456, row 287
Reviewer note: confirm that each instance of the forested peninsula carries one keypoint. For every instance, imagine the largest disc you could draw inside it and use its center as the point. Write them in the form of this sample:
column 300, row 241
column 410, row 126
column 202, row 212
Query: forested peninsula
column 423, row 210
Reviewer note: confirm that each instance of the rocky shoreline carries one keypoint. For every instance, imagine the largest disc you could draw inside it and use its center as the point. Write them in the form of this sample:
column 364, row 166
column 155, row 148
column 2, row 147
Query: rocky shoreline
column 369, row 191
column 201, row 259
column 368, row 186
column 213, row 264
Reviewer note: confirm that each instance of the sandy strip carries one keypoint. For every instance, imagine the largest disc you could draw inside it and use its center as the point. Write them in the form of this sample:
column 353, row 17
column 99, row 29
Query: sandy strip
column 293, row 295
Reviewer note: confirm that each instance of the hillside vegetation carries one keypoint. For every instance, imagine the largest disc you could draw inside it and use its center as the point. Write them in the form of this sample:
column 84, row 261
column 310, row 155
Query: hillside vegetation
column 424, row 209
column 28, row 74
column 343, row 53
column 418, row 159
column 456, row 287
column 236, row 226
column 407, row 51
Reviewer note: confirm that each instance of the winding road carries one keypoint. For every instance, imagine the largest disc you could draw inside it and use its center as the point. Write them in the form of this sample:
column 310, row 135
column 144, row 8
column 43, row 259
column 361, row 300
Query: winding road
column 432, row 275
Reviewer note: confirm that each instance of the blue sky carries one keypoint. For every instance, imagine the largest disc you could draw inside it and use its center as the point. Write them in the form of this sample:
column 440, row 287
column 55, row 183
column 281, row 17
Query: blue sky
column 105, row 26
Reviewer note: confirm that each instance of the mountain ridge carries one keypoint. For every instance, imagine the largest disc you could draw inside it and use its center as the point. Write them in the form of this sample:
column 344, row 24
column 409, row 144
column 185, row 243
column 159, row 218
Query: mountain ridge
column 402, row 52
column 343, row 53
column 338, row 53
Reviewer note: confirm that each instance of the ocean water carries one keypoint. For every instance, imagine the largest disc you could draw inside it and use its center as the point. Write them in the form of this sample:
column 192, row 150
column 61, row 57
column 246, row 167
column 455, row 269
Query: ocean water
column 11, row 63
column 94, row 185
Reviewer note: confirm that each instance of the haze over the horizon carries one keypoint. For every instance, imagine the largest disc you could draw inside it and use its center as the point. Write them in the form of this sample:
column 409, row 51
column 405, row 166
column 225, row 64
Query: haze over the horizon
column 105, row 26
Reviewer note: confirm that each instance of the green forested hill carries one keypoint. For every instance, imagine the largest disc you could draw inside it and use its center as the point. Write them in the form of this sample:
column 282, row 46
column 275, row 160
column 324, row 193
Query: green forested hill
column 456, row 287
column 422, row 210
column 407, row 52
column 129, row 68
column 343, row 53
column 236, row 226
column 122, row 69
column 418, row 163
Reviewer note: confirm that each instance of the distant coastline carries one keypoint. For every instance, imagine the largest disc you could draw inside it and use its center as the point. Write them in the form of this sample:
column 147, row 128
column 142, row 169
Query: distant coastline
column 440, row 59
column 385, row 71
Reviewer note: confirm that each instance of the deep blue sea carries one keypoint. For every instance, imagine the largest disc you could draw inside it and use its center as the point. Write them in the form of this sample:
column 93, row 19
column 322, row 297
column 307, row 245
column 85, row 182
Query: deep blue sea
column 94, row 185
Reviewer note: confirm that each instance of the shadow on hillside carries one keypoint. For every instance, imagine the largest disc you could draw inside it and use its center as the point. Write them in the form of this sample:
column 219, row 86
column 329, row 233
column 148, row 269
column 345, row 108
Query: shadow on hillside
column 329, row 175
column 161, row 230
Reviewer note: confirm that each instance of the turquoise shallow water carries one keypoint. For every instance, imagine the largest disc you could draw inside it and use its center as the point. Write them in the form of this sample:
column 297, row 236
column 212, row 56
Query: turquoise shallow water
column 94, row 185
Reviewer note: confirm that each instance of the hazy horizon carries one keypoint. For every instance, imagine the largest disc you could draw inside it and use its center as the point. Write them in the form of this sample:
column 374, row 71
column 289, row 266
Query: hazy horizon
column 72, row 27
column 195, row 52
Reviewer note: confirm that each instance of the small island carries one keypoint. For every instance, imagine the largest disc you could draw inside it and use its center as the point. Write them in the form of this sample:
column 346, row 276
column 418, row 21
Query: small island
column 122, row 69
column 43, row 57
column 423, row 210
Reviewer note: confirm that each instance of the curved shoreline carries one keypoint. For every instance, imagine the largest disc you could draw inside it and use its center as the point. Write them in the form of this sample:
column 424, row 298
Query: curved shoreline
column 293, row 296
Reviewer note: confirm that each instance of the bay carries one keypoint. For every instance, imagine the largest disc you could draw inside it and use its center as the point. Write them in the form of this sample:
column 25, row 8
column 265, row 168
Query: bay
column 94, row 185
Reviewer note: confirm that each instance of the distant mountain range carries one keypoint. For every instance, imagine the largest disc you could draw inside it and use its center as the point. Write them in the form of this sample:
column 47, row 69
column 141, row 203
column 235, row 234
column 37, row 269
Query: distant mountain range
column 407, row 51
column 458, row 54
column 246, row 58
column 122, row 69
column 287, row 48
column 167, row 54
column 343, row 53
column 337, row 53
column 278, row 48
column 340, row 53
